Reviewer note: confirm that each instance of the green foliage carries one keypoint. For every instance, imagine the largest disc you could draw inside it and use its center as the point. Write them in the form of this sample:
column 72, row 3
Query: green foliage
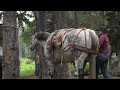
column 23, row 16
column 26, row 38
column 91, row 19
column 71, row 19
column 27, row 67
column 31, row 56
column 86, row 69
column 72, row 69
column 28, row 33
column 113, row 19
column 88, row 19
column 29, row 28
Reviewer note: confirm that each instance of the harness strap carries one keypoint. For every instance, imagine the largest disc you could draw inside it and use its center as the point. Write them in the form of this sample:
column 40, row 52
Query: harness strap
column 84, row 49
column 79, row 33
column 85, row 38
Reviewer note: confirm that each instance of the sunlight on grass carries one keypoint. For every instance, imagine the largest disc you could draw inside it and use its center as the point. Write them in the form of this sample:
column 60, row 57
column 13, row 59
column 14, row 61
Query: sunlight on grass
column 27, row 67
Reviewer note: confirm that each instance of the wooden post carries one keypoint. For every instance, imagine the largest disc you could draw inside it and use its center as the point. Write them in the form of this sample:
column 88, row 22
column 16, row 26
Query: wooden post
column 92, row 67
column 10, row 46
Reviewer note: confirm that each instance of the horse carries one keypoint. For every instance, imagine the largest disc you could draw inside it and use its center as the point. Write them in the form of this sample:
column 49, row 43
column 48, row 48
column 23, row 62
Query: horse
column 68, row 45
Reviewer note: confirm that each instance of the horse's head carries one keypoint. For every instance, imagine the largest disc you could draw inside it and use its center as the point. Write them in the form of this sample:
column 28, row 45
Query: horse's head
column 37, row 39
column 34, row 42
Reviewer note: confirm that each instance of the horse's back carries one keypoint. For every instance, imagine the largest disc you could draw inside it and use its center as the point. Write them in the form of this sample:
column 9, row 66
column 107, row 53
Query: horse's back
column 80, row 37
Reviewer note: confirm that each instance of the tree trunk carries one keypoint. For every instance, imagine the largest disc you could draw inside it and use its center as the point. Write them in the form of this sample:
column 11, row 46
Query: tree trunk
column 10, row 46
column 76, row 20
column 40, row 26
column 60, row 21
column 1, row 36
column 39, row 17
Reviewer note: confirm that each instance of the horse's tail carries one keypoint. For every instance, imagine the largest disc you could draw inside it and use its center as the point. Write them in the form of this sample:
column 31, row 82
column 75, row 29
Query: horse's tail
column 94, row 40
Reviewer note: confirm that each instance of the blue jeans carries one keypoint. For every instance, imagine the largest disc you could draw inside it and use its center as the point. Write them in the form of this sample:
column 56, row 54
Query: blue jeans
column 101, row 63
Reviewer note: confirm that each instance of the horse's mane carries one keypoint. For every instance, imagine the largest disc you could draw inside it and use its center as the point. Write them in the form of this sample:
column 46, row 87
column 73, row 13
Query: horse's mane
column 42, row 35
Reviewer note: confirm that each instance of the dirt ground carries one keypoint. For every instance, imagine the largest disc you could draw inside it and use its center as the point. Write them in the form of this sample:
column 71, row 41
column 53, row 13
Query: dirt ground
column 86, row 77
column 28, row 77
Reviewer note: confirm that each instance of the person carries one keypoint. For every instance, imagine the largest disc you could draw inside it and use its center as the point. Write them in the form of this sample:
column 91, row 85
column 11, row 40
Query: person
column 102, row 56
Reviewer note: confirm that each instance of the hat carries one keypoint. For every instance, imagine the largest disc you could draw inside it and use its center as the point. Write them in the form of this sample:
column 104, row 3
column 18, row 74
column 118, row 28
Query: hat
column 102, row 28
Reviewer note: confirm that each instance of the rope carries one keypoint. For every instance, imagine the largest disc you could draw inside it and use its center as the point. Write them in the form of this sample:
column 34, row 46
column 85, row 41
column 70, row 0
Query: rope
column 62, row 60
column 79, row 32
column 85, row 38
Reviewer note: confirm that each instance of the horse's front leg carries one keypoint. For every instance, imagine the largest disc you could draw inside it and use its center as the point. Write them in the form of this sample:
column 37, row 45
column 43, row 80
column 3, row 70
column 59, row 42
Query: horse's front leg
column 79, row 63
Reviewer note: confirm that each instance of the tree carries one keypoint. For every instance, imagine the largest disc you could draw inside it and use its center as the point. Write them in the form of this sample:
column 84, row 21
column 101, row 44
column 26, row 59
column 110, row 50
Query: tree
column 40, row 26
column 76, row 20
column 113, row 19
column 10, row 46
column 26, row 29
column 39, row 17
column 60, row 21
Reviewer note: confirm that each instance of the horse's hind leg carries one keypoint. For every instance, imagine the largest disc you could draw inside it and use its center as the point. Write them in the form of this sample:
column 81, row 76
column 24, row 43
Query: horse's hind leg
column 79, row 63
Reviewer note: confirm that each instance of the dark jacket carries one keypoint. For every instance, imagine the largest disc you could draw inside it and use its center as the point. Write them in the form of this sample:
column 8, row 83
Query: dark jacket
column 104, row 41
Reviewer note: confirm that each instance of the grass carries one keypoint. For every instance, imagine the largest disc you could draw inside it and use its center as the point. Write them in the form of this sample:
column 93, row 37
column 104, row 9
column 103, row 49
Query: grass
column 27, row 67
column 86, row 69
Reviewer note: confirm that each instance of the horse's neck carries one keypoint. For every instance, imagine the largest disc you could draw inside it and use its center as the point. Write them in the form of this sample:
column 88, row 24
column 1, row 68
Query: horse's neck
column 43, row 44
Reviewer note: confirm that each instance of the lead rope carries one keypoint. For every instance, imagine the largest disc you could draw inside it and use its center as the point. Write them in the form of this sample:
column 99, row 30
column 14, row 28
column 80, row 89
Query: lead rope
column 62, row 60
column 85, row 38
